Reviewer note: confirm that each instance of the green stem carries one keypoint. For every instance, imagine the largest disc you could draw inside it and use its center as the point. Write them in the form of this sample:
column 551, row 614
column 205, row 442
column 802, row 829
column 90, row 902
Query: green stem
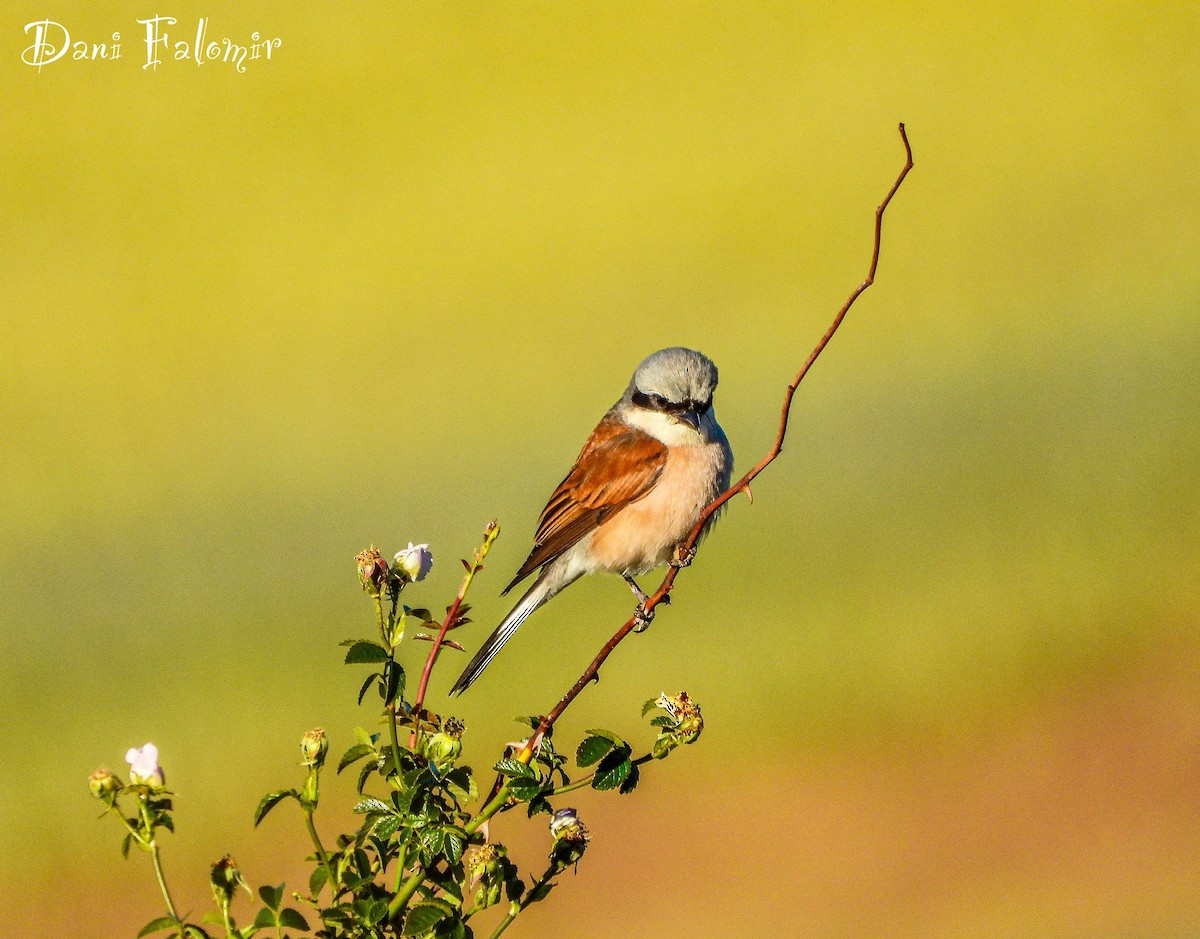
column 383, row 636
column 394, row 732
column 321, row 855
column 401, row 861
column 228, row 921
column 488, row 810
column 518, row 905
column 152, row 846
column 404, row 894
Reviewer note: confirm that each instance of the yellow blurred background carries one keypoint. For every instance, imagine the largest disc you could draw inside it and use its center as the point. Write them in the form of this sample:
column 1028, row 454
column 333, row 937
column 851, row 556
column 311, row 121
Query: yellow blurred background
column 379, row 289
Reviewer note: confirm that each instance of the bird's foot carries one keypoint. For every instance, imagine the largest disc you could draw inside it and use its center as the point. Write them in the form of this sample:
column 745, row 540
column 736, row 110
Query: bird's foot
column 683, row 556
column 642, row 618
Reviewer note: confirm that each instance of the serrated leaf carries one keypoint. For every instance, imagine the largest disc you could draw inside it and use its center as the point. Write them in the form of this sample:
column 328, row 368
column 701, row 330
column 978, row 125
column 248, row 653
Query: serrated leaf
column 292, row 919
column 461, row 784
column 265, row 918
column 373, row 677
column 453, row 847
column 663, row 720
column 631, row 781
column 539, row 892
column 364, row 651
column 514, row 768
column 649, row 706
column 354, row 754
column 271, row 896
column 270, row 800
column 156, row 925
column 524, row 789
column 367, row 770
column 591, row 749
column 372, row 805
column 612, row 771
column 317, row 879
column 386, row 826
column 421, row 918
column 607, row 735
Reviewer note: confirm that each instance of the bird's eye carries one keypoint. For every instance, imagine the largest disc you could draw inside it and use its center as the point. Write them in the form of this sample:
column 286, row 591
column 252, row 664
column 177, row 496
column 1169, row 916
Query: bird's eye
column 659, row 402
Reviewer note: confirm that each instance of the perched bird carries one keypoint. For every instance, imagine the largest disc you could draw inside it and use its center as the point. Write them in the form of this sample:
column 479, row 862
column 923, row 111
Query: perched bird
column 652, row 464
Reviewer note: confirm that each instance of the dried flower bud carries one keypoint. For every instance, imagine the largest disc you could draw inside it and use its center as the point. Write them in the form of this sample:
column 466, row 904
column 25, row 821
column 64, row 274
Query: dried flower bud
column 104, row 785
column 686, row 713
column 570, row 838
column 143, row 767
column 372, row 570
column 314, row 745
column 415, row 561
column 486, row 868
column 225, row 878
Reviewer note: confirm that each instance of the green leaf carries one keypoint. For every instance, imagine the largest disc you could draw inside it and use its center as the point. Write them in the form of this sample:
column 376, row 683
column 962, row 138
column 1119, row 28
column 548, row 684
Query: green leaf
column 157, row 925
column 631, row 781
column 524, row 789
column 271, row 896
column 514, row 768
column 367, row 770
column 292, row 919
column 317, row 879
column 649, row 706
column 612, row 771
column 663, row 720
column 191, row 931
column 591, row 749
column 461, row 784
column 453, row 847
column 373, row 677
column 421, row 918
column 126, row 845
column 607, row 735
column 539, row 892
column 393, row 687
column 265, row 918
column 372, row 805
column 364, row 652
column 354, row 754
column 270, row 800
column 386, row 826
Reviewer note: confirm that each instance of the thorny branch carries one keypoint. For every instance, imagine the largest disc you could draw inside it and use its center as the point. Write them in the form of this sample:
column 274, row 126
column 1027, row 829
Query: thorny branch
column 662, row 594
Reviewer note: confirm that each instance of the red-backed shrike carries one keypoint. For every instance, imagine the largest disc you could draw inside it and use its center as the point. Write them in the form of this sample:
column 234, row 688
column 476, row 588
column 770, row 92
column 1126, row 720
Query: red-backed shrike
column 640, row 482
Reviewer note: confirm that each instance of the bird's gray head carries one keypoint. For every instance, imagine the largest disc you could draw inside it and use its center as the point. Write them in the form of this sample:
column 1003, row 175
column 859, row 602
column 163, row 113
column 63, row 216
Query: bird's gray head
column 678, row 382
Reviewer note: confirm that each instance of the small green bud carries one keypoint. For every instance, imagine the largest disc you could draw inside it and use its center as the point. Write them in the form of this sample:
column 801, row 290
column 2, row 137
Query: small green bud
column 104, row 785
column 486, row 869
column 314, row 745
column 225, row 878
column 444, row 747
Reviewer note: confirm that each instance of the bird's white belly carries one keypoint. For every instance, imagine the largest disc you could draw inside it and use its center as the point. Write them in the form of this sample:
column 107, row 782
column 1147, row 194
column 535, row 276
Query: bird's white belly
column 645, row 533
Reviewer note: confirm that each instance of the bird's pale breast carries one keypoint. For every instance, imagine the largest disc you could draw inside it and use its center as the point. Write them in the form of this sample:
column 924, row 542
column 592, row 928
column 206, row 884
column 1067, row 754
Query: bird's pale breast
column 644, row 534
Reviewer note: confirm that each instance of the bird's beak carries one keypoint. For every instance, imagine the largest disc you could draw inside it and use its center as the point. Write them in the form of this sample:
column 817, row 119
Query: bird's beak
column 691, row 418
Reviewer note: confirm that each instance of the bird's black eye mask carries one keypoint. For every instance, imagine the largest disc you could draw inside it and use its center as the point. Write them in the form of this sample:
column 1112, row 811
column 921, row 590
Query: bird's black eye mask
column 655, row 402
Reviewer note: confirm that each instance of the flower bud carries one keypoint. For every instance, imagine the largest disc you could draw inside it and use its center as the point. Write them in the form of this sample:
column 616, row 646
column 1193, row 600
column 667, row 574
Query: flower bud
column 444, row 747
column 487, row 871
column 415, row 561
column 225, row 878
column 104, row 785
column 372, row 570
column 314, row 745
column 143, row 767
column 570, row 838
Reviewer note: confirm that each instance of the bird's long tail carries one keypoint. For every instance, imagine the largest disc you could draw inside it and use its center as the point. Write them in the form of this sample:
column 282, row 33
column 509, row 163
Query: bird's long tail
column 546, row 586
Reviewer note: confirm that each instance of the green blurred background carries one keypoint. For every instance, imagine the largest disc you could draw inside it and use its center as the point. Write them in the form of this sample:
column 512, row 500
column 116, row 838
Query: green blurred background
column 380, row 288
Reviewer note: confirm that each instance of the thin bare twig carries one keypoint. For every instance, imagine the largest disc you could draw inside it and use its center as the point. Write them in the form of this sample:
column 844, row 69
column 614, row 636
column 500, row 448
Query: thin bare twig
column 661, row 595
